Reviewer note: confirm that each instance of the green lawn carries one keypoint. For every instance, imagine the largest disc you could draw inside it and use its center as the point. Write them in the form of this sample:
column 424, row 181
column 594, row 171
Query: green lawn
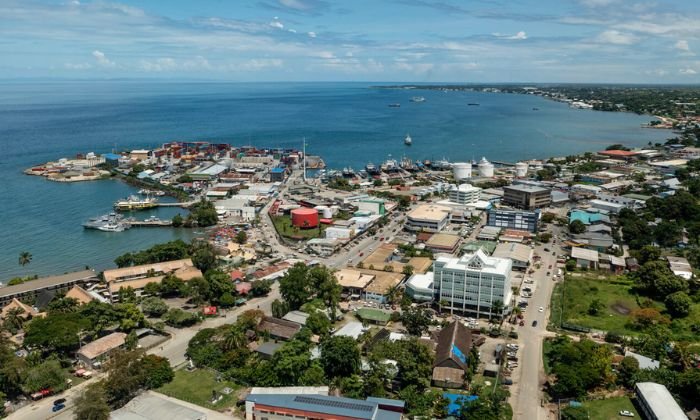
column 575, row 294
column 283, row 225
column 574, row 297
column 196, row 387
column 609, row 408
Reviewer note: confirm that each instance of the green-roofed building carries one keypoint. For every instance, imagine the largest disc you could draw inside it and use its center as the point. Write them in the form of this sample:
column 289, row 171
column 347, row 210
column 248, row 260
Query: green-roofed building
column 473, row 246
column 376, row 316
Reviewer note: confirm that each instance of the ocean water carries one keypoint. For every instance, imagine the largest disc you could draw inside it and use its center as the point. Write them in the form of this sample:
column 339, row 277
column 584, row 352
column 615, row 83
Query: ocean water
column 348, row 124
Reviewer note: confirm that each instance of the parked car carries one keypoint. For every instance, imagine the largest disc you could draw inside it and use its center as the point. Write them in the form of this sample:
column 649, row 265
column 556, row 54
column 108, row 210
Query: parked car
column 59, row 401
column 626, row 413
column 534, row 323
column 58, row 407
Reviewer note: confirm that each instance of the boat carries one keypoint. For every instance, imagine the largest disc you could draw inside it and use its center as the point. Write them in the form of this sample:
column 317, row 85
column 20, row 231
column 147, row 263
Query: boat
column 418, row 99
column 408, row 140
column 372, row 169
column 535, row 109
column 390, row 165
column 407, row 164
column 144, row 191
column 473, row 104
column 440, row 165
column 135, row 203
column 111, row 222
column 394, row 105
column 348, row 172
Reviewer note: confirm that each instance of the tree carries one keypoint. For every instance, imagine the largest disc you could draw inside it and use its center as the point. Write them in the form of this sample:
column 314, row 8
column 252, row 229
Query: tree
column 647, row 253
column 157, row 371
column 678, row 304
column 496, row 308
column 14, row 319
column 577, row 227
column 44, row 376
column 129, row 316
column 260, row 288
column 177, row 220
column 295, row 286
column 279, row 308
column 127, row 294
column 548, row 217
column 24, row 258
column 56, row 333
column 178, row 318
column 340, row 357
column 227, row 300
column 63, row 305
column 154, row 307
column 627, row 371
column 171, row 286
column 199, row 290
column 407, row 270
column 131, row 341
column 327, row 288
column 318, row 323
column 91, row 404
column 203, row 255
column 570, row 265
column 416, row 320
column 241, row 237
column 595, row 307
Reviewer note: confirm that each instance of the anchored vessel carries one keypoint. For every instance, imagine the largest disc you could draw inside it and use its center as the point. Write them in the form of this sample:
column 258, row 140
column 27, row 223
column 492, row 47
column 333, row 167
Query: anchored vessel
column 135, row 203
column 408, row 140
column 110, row 222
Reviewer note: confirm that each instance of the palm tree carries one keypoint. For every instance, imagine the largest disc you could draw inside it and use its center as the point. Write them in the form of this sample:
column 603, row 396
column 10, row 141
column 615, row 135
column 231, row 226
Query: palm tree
column 497, row 307
column 24, row 258
column 234, row 339
column 14, row 319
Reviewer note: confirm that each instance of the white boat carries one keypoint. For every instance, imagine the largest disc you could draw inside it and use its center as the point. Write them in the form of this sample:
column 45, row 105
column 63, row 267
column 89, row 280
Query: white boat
column 408, row 140
column 112, row 227
column 417, row 99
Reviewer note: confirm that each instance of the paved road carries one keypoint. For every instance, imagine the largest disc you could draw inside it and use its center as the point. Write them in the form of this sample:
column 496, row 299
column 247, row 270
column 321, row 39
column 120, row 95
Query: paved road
column 527, row 392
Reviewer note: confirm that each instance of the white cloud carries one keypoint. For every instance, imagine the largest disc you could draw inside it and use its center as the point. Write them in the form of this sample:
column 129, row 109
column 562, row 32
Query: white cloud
column 292, row 30
column 518, row 36
column 616, row 37
column 77, row 66
column 687, row 72
column 102, row 59
column 682, row 45
column 259, row 64
column 597, row 3
column 276, row 23
column 311, row 34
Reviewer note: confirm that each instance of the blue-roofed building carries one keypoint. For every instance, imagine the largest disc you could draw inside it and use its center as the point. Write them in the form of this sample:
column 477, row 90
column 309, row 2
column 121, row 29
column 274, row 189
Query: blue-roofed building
column 452, row 356
column 588, row 217
column 111, row 158
column 456, row 401
column 277, row 174
column 308, row 406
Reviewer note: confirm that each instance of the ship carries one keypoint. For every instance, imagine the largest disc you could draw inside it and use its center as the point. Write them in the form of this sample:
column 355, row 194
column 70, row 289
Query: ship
column 407, row 164
column 110, row 222
column 145, row 191
column 408, row 140
column 390, row 165
column 394, row 105
column 418, row 99
column 440, row 165
column 372, row 169
column 348, row 172
column 135, row 203
column 473, row 104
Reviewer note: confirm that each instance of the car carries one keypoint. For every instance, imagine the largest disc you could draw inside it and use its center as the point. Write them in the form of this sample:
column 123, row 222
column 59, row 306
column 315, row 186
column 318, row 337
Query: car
column 534, row 323
column 626, row 413
column 546, row 250
column 58, row 407
column 540, row 309
column 59, row 401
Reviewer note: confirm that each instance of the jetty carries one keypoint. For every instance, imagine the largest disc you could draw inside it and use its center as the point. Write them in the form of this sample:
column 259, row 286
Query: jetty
column 184, row 205
column 149, row 223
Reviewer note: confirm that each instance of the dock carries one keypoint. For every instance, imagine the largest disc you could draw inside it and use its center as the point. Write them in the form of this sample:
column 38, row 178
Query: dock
column 149, row 223
column 183, row 205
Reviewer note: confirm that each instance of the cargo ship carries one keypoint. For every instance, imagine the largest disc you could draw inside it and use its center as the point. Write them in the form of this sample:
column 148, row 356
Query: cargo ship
column 135, row 203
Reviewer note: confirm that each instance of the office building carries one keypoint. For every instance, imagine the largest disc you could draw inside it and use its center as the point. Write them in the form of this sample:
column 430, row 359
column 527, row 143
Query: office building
column 514, row 219
column 473, row 283
column 428, row 218
column 527, row 197
column 465, row 194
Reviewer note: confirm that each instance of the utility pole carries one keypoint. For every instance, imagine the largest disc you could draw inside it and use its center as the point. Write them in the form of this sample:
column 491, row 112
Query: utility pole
column 304, row 162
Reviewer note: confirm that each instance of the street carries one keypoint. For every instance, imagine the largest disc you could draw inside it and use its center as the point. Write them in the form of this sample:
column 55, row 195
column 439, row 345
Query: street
column 527, row 393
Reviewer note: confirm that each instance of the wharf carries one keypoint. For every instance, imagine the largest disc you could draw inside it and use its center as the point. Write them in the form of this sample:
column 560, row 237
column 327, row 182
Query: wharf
column 183, row 205
column 149, row 223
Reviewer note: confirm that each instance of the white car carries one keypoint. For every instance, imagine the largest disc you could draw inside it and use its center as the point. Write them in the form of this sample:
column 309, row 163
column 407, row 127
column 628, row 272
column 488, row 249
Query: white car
column 626, row 413
column 541, row 309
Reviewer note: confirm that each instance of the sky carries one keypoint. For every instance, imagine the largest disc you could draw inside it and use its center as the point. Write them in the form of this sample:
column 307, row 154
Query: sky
column 470, row 41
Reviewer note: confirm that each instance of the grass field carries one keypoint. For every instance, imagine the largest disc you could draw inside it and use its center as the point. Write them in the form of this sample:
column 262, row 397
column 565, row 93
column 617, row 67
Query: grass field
column 609, row 408
column 196, row 387
column 574, row 297
column 283, row 225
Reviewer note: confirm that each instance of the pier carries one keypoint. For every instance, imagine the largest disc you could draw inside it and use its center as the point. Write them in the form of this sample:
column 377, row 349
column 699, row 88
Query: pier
column 183, row 205
column 148, row 223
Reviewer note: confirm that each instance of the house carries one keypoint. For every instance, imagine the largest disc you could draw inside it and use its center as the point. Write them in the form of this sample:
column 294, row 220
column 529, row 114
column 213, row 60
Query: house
column 83, row 296
column 279, row 328
column 585, row 258
column 137, row 277
column 644, row 362
column 27, row 311
column 680, row 267
column 28, row 290
column 297, row 317
column 92, row 354
column 268, row 349
column 320, row 407
column 352, row 329
column 520, row 254
column 353, row 282
column 452, row 354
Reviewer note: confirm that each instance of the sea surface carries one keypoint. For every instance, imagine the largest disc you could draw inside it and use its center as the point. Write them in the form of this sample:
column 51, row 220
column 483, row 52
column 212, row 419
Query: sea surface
column 348, row 124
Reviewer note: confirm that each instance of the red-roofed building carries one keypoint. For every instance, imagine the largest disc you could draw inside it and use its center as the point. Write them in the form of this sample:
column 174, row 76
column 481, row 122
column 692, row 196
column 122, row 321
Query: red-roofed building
column 237, row 275
column 618, row 154
column 243, row 288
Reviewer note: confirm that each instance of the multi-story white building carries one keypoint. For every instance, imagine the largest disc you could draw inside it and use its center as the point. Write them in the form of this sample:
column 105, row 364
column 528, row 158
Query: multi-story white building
column 465, row 194
column 428, row 218
column 473, row 283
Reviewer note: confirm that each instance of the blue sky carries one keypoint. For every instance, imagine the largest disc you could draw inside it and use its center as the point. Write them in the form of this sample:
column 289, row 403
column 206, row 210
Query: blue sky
column 359, row 40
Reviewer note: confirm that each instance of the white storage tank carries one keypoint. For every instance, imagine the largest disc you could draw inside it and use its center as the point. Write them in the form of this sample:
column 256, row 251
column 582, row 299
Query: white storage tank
column 325, row 211
column 521, row 169
column 485, row 168
column 461, row 170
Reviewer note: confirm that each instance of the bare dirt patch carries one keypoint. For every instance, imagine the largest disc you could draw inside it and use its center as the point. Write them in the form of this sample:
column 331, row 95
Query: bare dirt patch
column 620, row 308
